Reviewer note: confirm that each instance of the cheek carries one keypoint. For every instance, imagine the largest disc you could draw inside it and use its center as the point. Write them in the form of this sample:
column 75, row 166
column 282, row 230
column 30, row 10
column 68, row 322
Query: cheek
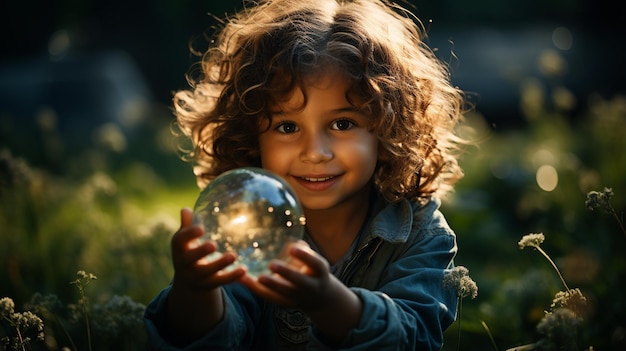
column 372, row 156
column 263, row 152
column 369, row 148
column 265, row 155
column 272, row 158
column 365, row 153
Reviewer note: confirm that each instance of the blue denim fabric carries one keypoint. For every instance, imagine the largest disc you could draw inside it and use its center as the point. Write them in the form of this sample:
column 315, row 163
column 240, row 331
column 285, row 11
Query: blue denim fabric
column 397, row 271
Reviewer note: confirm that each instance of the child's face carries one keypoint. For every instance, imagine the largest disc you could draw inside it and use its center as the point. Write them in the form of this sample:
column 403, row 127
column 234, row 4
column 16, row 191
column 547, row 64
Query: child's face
column 323, row 150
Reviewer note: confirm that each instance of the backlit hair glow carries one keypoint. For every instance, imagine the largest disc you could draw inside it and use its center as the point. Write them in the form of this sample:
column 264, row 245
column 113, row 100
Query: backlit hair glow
column 262, row 53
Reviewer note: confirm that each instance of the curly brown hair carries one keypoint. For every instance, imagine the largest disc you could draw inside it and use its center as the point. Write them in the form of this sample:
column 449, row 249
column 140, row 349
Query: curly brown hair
column 266, row 50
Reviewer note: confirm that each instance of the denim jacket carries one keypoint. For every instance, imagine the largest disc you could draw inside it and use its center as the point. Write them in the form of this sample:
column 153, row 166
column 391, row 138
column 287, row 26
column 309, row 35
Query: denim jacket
column 396, row 270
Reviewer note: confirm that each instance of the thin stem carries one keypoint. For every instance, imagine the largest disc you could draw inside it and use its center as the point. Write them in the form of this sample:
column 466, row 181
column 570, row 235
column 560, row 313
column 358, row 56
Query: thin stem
column 493, row 342
column 553, row 265
column 87, row 322
column 619, row 221
column 526, row 347
column 88, row 328
column 458, row 339
column 67, row 334
column 86, row 278
column 83, row 302
column 17, row 330
column 19, row 336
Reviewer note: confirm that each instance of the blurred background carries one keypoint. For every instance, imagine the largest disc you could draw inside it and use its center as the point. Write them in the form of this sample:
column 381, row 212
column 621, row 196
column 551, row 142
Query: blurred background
column 91, row 177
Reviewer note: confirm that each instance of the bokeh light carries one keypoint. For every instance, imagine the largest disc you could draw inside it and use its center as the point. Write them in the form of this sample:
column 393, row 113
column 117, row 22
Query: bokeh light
column 562, row 38
column 547, row 177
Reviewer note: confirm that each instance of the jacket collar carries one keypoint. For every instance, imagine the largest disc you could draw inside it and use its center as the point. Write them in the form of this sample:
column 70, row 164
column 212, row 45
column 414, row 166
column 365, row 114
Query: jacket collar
column 394, row 222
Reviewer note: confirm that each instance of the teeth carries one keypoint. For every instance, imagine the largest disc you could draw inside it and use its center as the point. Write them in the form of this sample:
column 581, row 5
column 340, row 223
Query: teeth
column 317, row 179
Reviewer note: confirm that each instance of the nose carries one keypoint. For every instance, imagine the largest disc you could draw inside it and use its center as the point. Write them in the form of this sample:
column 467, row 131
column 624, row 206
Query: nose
column 316, row 148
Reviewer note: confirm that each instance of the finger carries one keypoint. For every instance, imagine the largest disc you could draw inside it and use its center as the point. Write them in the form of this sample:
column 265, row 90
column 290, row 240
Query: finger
column 186, row 217
column 315, row 264
column 287, row 281
column 256, row 286
column 187, row 232
column 187, row 238
column 226, row 276
column 198, row 254
column 212, row 273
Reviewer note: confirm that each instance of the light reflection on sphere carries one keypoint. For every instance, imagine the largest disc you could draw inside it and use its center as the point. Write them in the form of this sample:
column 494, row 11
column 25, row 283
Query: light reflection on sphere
column 251, row 212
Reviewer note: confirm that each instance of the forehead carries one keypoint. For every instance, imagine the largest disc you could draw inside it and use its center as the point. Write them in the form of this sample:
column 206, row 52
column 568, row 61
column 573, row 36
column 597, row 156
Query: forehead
column 327, row 83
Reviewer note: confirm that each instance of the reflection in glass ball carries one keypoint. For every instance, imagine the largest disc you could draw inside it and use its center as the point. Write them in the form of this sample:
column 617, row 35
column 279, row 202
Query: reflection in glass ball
column 251, row 212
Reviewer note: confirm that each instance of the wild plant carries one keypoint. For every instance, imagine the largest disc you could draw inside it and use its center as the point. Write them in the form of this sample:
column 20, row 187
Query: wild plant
column 116, row 324
column 458, row 279
column 19, row 327
column 81, row 283
column 562, row 322
column 601, row 200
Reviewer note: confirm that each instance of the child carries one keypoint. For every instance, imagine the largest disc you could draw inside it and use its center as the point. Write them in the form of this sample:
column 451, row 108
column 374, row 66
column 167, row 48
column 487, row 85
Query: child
column 345, row 102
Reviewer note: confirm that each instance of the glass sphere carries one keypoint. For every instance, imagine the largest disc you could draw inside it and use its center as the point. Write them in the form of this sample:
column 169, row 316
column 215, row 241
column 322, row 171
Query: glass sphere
column 251, row 212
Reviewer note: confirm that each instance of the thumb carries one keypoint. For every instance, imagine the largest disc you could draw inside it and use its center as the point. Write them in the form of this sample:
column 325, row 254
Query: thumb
column 186, row 217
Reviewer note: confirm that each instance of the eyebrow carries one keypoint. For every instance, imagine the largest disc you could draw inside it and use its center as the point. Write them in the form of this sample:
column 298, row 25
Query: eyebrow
column 336, row 110
column 346, row 109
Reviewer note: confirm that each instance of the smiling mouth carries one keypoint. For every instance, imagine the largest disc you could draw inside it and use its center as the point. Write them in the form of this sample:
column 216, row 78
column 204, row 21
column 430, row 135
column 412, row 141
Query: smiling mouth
column 316, row 180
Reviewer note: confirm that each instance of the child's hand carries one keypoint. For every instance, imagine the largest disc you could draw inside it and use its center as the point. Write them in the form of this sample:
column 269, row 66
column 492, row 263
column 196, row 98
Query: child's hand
column 195, row 302
column 192, row 270
column 302, row 280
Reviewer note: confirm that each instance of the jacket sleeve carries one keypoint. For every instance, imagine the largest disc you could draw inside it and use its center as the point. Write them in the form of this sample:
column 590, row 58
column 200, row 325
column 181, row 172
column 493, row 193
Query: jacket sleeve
column 238, row 324
column 411, row 308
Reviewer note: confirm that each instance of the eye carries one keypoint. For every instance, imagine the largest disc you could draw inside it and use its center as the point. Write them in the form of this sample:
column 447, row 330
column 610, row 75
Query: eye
column 342, row 124
column 287, row 128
